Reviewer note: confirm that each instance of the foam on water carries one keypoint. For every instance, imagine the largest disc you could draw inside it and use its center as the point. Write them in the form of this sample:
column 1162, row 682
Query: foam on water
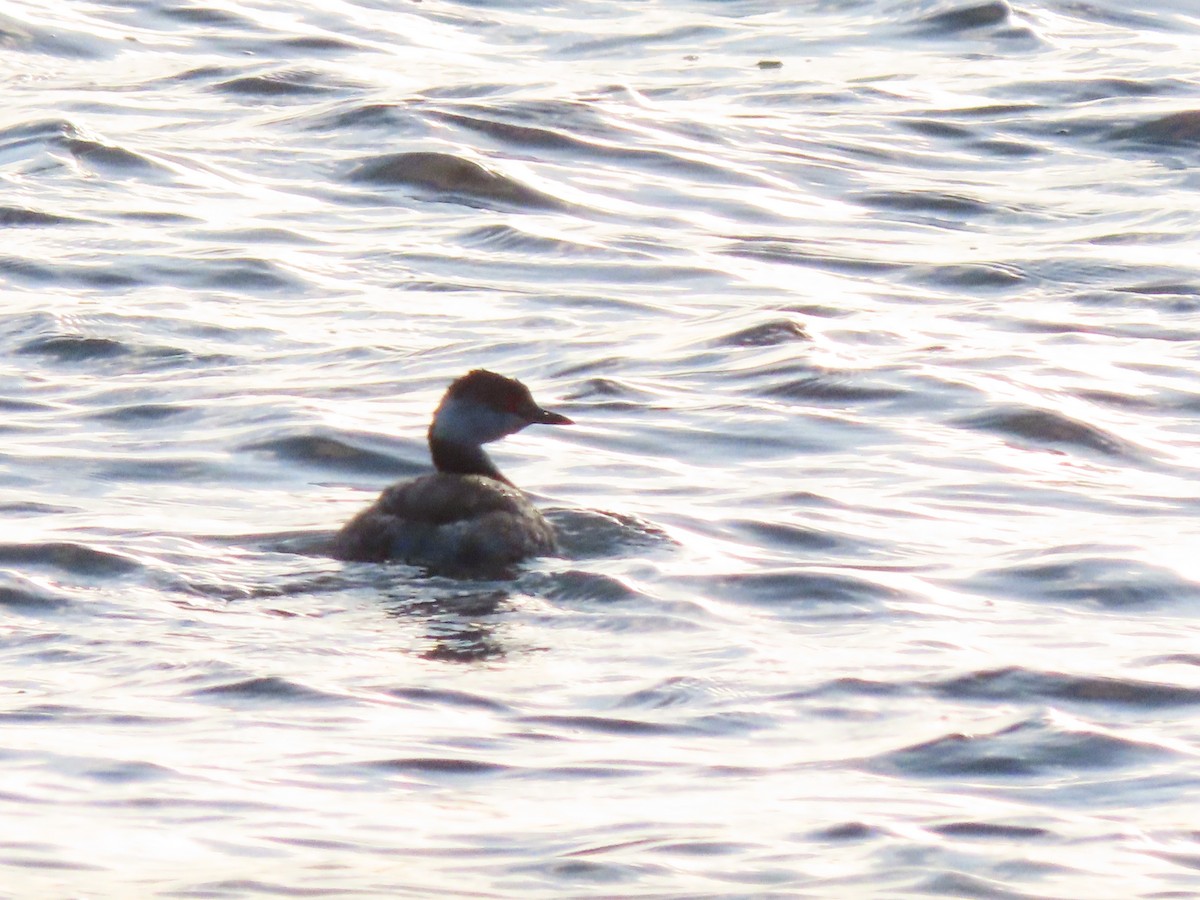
column 878, row 322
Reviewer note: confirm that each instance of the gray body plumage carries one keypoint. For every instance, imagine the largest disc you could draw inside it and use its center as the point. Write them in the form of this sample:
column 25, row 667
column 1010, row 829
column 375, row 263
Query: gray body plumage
column 447, row 521
column 466, row 516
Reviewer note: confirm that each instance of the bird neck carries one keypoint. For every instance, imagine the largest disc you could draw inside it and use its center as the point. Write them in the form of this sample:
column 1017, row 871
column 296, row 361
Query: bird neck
column 463, row 459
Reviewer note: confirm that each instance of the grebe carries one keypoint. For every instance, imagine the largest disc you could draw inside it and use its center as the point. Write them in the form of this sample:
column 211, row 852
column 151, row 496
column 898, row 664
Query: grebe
column 466, row 515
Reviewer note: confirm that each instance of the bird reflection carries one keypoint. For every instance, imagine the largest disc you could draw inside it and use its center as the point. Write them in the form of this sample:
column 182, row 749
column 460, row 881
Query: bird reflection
column 456, row 622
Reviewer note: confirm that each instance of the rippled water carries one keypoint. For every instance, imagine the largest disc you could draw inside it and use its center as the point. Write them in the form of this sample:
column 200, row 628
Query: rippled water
column 880, row 324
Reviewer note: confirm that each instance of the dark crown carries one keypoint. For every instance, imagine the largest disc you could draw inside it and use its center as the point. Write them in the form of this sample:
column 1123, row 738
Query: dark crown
column 495, row 390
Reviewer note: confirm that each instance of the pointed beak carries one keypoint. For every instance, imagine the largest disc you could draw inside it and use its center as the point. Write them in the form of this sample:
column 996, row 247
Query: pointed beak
column 545, row 417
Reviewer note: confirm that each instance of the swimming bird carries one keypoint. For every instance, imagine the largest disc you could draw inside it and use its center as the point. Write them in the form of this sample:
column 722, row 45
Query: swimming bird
column 466, row 515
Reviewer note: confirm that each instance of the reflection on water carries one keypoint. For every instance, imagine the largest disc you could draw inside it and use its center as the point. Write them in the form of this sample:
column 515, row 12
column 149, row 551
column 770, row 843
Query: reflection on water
column 878, row 322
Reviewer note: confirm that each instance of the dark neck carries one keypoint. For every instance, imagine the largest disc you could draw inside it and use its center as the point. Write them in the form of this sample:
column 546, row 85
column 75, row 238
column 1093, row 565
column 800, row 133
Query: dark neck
column 460, row 459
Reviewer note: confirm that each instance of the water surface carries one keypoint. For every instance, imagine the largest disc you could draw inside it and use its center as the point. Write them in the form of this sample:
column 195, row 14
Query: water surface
column 879, row 321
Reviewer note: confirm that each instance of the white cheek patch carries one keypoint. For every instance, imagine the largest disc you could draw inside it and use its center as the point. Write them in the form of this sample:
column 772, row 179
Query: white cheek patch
column 472, row 424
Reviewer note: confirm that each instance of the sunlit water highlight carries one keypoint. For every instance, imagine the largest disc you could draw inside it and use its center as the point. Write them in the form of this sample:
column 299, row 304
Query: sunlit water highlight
column 879, row 321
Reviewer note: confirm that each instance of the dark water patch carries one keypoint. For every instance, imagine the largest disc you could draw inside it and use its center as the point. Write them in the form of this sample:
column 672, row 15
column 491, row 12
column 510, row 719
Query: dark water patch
column 576, row 586
column 1181, row 129
column 138, row 413
column 541, row 138
column 267, row 688
column 590, row 874
column 1161, row 288
column 75, row 348
column 608, row 390
column 1165, row 297
column 58, row 40
column 594, row 534
column 1174, row 298
column 1071, row 577
column 78, row 559
column 1045, row 426
column 589, row 367
column 473, row 90
column 153, row 216
column 442, row 697
column 810, row 543
column 232, row 273
column 284, row 83
column 849, row 686
column 810, row 253
column 200, row 73
column 196, row 14
column 993, row 276
column 797, row 588
column 581, row 773
column 1070, row 131
column 130, row 772
column 46, row 712
column 398, row 119
column 731, row 723
column 1186, row 860
column 787, row 536
column 677, row 691
column 1035, row 748
column 937, row 128
column 328, row 452
column 968, row 17
column 502, row 237
column 1126, row 16
column 1136, row 237
column 440, row 765
column 603, row 725
column 49, row 864
column 449, row 175
column 321, row 43
column 938, row 203
column 636, row 42
column 964, row 884
column 18, row 216
column 79, row 349
column 32, row 508
column 167, row 470
column 294, row 543
column 1119, row 400
column 22, row 596
column 113, row 160
column 1088, row 90
column 765, row 334
column 991, row 831
column 308, row 844
column 243, row 236
column 445, row 599
column 10, row 404
column 847, row 831
column 28, row 140
column 1007, row 148
column 1019, row 685
column 1021, row 113
column 829, row 386
column 705, row 849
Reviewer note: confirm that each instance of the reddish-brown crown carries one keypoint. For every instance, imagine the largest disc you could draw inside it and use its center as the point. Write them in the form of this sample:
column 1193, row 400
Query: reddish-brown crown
column 496, row 391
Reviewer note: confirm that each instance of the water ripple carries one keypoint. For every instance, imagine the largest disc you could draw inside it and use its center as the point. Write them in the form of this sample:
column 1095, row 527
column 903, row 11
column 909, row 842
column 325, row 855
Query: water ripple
column 1014, row 684
column 451, row 176
column 1053, row 428
column 879, row 325
column 1035, row 747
